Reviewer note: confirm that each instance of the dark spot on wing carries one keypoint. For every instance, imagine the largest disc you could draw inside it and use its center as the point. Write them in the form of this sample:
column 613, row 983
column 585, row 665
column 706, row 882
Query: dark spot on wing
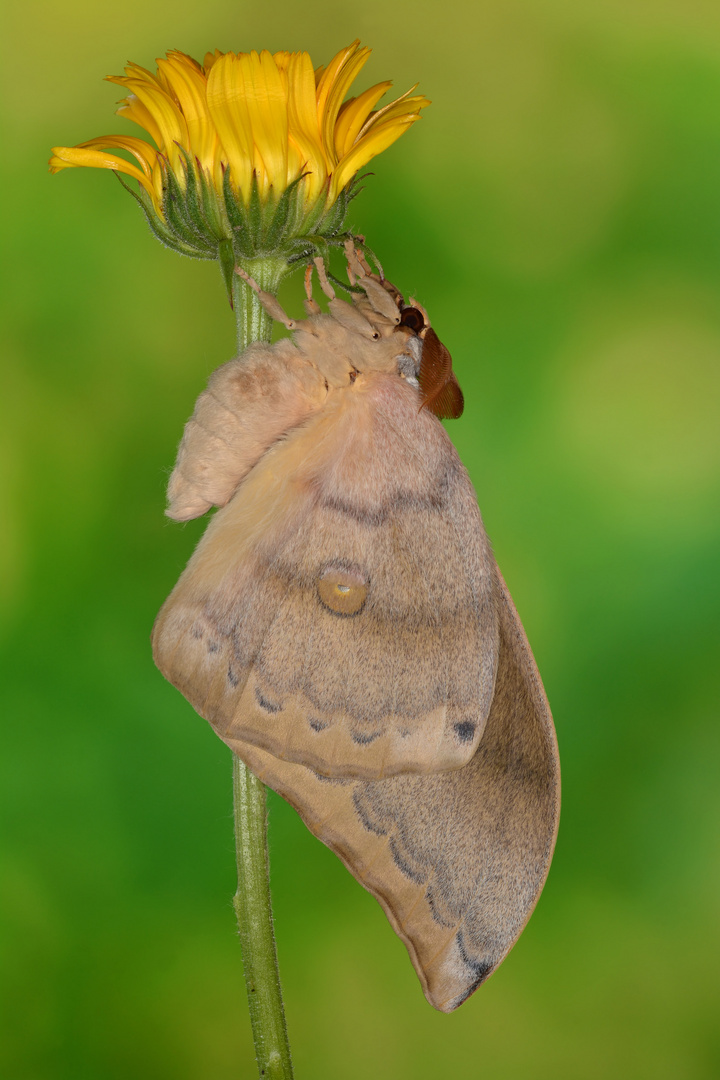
column 362, row 739
column 402, row 865
column 329, row 779
column 369, row 824
column 213, row 646
column 430, row 897
column 318, row 725
column 400, row 502
column 233, row 679
column 263, row 702
column 197, row 631
column 480, row 968
column 465, row 731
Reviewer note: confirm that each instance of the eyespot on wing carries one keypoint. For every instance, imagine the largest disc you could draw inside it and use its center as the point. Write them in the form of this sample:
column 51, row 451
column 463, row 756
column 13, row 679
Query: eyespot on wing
column 343, row 591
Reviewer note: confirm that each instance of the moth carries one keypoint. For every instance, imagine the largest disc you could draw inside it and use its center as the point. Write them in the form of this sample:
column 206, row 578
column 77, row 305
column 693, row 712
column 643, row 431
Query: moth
column 345, row 629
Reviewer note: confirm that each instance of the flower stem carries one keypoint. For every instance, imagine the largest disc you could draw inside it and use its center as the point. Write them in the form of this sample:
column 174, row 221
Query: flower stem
column 252, row 901
column 253, row 322
column 255, row 927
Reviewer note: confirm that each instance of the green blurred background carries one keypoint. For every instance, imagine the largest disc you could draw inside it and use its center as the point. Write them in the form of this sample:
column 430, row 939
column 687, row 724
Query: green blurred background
column 558, row 212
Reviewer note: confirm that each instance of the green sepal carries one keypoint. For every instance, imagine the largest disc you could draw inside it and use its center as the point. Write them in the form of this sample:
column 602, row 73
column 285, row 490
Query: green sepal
column 254, row 217
column 201, row 222
column 194, row 210
column 268, row 210
column 235, row 215
column 278, row 225
column 212, row 207
column 173, row 206
column 226, row 257
column 175, row 212
column 158, row 227
column 313, row 217
column 369, row 251
column 181, row 211
column 334, row 219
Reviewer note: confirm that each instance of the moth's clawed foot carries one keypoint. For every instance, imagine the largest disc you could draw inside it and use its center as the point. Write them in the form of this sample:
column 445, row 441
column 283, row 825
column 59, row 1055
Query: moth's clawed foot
column 358, row 266
column 247, row 279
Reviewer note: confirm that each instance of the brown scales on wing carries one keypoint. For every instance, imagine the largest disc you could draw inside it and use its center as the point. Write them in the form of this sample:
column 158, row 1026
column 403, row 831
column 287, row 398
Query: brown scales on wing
column 441, row 390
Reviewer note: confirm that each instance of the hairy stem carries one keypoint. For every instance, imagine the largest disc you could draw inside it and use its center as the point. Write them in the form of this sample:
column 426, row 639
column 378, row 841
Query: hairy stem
column 253, row 322
column 255, row 927
column 252, row 900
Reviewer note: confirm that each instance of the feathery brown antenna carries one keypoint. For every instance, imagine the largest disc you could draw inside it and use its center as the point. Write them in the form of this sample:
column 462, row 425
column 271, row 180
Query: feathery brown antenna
column 441, row 390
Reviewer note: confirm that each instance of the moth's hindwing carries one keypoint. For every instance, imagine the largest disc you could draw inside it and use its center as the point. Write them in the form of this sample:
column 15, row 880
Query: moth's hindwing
column 457, row 859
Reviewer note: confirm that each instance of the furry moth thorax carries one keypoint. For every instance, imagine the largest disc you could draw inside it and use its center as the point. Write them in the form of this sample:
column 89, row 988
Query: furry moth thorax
column 274, row 388
column 376, row 332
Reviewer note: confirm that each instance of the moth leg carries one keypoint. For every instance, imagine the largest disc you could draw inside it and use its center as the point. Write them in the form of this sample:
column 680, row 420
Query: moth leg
column 365, row 265
column 322, row 275
column 268, row 301
column 354, row 269
column 346, row 314
column 311, row 306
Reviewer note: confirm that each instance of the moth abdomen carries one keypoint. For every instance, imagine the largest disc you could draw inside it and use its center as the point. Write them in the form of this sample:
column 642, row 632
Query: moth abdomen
column 250, row 404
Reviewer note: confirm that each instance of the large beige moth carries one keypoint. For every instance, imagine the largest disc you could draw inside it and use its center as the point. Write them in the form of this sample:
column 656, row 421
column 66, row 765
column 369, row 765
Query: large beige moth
column 345, row 629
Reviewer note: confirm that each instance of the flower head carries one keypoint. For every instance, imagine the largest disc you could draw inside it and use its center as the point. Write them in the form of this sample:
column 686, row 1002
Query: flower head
column 253, row 149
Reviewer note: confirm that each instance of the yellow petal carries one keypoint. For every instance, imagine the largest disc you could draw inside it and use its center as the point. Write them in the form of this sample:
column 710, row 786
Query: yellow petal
column 158, row 181
column 305, row 151
column 143, row 152
column 353, row 115
column 188, row 85
column 133, row 109
column 372, row 144
column 402, row 106
column 266, row 95
column 186, row 61
column 137, row 71
column 325, row 76
column 210, row 58
column 168, row 119
column 282, row 60
column 68, row 157
column 228, row 111
column 341, row 83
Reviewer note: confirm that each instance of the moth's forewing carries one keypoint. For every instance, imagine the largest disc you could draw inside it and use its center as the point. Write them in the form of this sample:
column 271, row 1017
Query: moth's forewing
column 457, row 859
column 340, row 611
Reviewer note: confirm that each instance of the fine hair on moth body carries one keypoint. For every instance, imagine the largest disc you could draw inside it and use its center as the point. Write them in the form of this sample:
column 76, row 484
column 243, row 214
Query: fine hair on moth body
column 345, row 629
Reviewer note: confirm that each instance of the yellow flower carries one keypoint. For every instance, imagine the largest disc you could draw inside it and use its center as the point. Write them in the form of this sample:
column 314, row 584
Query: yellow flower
column 237, row 133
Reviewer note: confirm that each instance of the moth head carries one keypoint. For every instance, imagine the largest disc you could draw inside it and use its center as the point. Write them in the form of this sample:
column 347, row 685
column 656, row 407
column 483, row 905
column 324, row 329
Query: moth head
column 432, row 368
